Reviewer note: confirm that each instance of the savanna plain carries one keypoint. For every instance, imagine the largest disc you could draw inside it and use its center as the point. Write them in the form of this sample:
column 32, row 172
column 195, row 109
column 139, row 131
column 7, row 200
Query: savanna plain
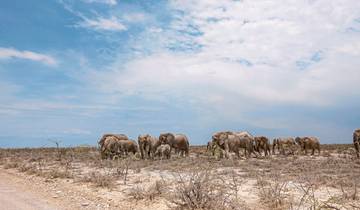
column 77, row 178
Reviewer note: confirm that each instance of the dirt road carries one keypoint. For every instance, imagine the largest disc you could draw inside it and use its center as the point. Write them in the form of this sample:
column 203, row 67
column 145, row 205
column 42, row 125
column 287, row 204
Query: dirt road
column 14, row 194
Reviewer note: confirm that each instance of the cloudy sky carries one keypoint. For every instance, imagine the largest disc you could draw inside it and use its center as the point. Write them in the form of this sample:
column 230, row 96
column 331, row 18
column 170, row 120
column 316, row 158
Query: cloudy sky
column 71, row 70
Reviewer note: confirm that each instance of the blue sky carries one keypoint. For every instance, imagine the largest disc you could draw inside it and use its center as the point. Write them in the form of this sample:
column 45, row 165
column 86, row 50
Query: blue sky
column 73, row 70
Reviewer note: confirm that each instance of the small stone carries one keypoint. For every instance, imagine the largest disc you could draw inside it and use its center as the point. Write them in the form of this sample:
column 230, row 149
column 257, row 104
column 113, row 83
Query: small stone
column 85, row 204
column 58, row 191
column 55, row 196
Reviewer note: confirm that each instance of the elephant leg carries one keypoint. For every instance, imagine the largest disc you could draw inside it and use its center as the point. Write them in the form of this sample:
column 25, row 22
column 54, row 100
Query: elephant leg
column 313, row 151
column 266, row 152
column 226, row 154
column 237, row 152
column 142, row 152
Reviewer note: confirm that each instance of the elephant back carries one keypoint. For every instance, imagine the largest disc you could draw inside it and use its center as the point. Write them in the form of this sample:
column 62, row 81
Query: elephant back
column 181, row 141
column 117, row 136
column 243, row 134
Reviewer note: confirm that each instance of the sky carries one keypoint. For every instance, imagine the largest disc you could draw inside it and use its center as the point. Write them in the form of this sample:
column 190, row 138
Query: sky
column 72, row 70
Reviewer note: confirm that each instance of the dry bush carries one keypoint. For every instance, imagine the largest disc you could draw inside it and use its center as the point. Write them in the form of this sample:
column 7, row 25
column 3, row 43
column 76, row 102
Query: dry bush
column 150, row 193
column 58, row 173
column 24, row 168
column 202, row 190
column 350, row 194
column 100, row 180
column 11, row 165
column 273, row 193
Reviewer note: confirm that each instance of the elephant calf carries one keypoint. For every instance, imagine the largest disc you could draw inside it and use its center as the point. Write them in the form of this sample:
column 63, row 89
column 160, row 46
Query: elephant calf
column 163, row 150
column 306, row 143
column 356, row 141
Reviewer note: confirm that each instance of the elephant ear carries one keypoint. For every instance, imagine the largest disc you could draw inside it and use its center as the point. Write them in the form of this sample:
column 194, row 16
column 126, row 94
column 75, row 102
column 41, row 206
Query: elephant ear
column 170, row 137
column 222, row 138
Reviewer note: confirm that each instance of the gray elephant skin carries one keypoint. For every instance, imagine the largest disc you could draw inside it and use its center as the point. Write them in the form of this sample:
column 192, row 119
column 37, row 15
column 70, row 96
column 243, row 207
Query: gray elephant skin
column 178, row 142
column 306, row 143
column 262, row 144
column 233, row 141
column 147, row 145
column 163, row 151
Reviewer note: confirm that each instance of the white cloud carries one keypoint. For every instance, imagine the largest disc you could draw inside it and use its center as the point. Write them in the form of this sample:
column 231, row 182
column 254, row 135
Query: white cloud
column 77, row 131
column 102, row 24
column 7, row 53
column 134, row 17
column 108, row 2
column 250, row 50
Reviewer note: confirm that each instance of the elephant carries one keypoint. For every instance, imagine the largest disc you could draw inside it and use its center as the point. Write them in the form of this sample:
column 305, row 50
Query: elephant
column 262, row 143
column 356, row 141
column 118, row 136
column 110, row 147
column 127, row 146
column 306, row 143
column 164, row 150
column 281, row 143
column 233, row 141
column 147, row 145
column 179, row 142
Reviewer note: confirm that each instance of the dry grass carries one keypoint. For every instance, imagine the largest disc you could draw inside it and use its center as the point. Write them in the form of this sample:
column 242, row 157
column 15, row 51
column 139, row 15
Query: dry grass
column 203, row 181
column 99, row 179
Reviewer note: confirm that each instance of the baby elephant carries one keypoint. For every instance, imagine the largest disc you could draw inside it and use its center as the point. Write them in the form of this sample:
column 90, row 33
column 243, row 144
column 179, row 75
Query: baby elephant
column 163, row 151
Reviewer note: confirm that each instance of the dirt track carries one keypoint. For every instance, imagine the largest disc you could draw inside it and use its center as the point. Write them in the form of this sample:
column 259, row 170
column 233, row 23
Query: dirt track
column 15, row 195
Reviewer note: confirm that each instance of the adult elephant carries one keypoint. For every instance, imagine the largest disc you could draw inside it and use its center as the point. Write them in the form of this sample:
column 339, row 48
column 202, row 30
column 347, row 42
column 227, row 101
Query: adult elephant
column 233, row 142
column 283, row 143
column 306, row 143
column 127, row 146
column 110, row 147
column 262, row 144
column 117, row 136
column 147, row 145
column 356, row 141
column 179, row 142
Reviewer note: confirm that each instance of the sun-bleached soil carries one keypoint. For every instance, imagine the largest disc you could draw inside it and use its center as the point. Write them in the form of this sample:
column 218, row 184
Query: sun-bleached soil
column 76, row 178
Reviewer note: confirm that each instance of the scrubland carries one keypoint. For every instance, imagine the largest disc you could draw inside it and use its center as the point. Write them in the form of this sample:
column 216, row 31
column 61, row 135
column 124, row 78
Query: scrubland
column 79, row 177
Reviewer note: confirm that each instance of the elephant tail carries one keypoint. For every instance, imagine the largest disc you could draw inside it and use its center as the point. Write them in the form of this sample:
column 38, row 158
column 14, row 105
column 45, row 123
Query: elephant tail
column 187, row 148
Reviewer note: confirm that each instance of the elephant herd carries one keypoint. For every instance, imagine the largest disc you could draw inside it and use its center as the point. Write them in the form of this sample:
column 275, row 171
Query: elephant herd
column 229, row 141
column 150, row 147
column 118, row 145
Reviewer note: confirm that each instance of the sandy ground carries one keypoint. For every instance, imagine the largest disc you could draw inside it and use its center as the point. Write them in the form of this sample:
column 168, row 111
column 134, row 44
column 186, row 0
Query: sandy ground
column 20, row 191
column 16, row 194
column 32, row 183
